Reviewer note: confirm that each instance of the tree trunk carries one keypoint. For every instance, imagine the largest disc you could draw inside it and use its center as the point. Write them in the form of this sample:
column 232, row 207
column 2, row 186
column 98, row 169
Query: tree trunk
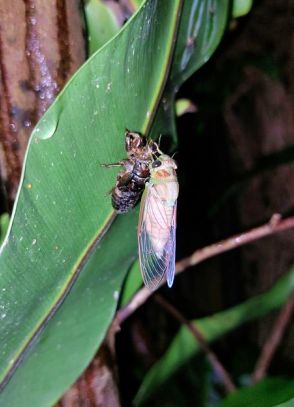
column 41, row 46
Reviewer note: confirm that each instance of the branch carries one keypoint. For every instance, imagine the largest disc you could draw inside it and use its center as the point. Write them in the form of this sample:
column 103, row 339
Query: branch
column 275, row 225
column 217, row 365
column 273, row 341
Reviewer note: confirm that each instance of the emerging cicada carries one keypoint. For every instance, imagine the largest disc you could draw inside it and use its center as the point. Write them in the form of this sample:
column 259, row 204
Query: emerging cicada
column 157, row 223
column 147, row 167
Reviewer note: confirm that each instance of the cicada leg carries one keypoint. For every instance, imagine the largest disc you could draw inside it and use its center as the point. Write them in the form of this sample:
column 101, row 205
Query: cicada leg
column 154, row 147
column 119, row 164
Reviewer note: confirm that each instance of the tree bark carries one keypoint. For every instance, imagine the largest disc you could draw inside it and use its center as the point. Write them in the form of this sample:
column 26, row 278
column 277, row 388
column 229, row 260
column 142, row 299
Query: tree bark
column 41, row 46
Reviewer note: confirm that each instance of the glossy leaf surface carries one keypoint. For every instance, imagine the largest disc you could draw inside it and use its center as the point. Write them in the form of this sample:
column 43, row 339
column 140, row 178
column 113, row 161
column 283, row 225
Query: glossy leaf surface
column 101, row 24
column 269, row 392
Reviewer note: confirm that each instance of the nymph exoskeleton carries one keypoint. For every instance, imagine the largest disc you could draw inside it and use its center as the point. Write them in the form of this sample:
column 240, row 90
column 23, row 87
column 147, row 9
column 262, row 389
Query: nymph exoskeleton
column 130, row 182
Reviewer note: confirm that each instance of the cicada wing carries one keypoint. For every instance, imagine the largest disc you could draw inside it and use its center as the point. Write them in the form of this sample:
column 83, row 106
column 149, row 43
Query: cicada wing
column 152, row 268
column 171, row 249
column 153, row 217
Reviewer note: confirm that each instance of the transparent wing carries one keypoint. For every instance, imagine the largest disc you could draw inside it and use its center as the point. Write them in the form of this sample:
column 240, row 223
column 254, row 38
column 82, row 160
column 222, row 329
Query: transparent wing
column 156, row 239
column 170, row 272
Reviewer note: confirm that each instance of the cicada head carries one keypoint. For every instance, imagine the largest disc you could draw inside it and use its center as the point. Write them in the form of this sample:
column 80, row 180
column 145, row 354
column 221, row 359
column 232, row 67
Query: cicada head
column 163, row 168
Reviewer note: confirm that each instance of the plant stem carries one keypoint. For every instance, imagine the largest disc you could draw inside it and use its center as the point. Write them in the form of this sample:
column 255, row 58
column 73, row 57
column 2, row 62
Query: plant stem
column 212, row 357
column 273, row 341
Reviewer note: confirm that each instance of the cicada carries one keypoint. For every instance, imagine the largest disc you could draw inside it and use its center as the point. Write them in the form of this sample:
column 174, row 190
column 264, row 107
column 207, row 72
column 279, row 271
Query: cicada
column 157, row 223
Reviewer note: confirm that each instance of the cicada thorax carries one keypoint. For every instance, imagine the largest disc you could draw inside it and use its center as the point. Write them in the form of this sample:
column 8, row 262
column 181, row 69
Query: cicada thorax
column 164, row 179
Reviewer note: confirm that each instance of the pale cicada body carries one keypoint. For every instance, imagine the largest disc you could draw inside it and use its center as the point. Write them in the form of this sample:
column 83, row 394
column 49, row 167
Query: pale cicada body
column 157, row 223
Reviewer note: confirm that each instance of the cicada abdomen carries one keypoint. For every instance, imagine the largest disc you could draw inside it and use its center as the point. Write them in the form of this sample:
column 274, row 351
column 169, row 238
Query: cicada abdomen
column 129, row 186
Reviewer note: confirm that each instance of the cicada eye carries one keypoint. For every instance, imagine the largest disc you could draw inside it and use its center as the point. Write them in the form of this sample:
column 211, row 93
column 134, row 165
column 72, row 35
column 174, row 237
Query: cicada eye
column 156, row 164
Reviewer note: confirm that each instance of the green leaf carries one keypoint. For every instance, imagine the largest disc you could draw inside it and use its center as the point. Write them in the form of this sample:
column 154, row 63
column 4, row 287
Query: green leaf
column 184, row 346
column 202, row 26
column 289, row 403
column 241, row 7
column 62, row 251
column 267, row 393
column 132, row 284
column 135, row 3
column 204, row 23
column 184, row 106
column 101, row 24
column 4, row 221
column 72, row 336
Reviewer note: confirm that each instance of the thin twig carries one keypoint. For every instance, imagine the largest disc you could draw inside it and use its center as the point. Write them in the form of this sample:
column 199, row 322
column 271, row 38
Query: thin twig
column 273, row 341
column 275, row 225
column 218, row 367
